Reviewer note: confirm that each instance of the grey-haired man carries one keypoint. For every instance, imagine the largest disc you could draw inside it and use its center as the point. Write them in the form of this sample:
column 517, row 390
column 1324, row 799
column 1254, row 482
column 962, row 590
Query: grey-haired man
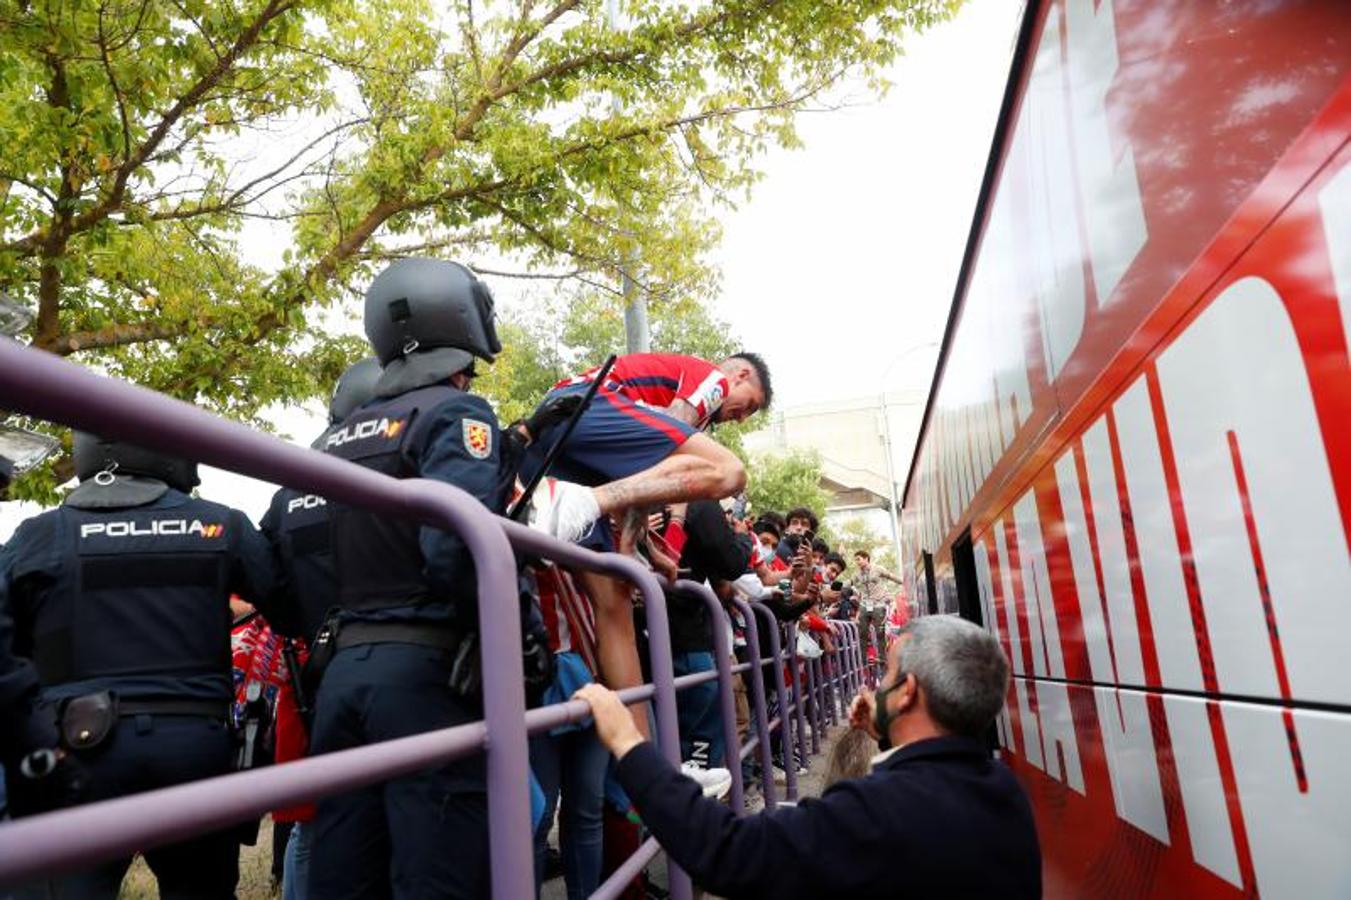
column 937, row 816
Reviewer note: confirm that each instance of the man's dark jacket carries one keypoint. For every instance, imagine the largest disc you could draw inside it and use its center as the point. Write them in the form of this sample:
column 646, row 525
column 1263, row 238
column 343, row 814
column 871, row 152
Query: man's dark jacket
column 937, row 818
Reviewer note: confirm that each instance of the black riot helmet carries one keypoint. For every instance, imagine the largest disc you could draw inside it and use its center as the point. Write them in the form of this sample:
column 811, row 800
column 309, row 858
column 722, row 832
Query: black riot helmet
column 427, row 304
column 355, row 387
column 94, row 454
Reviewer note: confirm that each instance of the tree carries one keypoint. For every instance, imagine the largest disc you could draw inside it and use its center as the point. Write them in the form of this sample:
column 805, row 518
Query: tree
column 780, row 482
column 854, row 534
column 144, row 137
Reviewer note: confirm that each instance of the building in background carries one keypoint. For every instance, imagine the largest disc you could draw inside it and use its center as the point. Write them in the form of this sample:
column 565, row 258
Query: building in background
column 854, row 442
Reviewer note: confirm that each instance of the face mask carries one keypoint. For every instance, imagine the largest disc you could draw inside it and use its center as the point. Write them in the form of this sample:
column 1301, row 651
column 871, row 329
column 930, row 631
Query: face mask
column 882, row 719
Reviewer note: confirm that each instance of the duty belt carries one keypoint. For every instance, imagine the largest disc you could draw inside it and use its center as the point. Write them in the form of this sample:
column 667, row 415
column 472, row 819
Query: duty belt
column 441, row 637
column 215, row 709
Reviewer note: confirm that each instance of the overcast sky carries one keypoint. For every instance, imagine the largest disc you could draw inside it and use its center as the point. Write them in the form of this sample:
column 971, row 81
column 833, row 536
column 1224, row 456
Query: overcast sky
column 847, row 254
column 840, row 269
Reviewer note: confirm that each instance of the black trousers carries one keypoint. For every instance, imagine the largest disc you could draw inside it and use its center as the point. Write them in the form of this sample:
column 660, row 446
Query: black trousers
column 422, row 835
column 147, row 752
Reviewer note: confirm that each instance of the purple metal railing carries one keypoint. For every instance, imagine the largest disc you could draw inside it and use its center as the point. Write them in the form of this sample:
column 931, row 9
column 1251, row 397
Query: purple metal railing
column 759, row 708
column 44, row 386
column 722, row 661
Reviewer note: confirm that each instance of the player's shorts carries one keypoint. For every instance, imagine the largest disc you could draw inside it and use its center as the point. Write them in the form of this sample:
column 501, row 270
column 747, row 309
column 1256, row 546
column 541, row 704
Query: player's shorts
column 614, row 438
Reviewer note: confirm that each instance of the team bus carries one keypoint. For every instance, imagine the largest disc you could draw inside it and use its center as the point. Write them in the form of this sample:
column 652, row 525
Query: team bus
column 1135, row 463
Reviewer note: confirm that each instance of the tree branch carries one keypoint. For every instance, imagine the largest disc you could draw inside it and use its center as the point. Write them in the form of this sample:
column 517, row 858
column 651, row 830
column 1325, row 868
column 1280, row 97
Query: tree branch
column 116, row 194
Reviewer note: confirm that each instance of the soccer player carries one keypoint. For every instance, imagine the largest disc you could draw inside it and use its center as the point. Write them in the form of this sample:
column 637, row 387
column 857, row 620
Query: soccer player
column 640, row 444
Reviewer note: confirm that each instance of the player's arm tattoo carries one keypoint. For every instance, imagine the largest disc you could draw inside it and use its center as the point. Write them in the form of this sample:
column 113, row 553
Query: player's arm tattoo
column 684, row 411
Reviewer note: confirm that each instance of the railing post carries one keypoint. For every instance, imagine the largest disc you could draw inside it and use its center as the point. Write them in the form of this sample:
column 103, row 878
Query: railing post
column 727, row 703
column 759, row 710
column 815, row 705
column 799, row 714
column 781, row 697
column 658, row 643
column 855, row 658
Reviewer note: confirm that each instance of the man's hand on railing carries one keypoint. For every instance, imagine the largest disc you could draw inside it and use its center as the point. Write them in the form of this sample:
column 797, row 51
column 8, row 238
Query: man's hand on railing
column 614, row 723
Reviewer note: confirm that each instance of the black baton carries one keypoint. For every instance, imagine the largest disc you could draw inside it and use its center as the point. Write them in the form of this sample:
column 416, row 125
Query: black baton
column 518, row 508
column 293, row 670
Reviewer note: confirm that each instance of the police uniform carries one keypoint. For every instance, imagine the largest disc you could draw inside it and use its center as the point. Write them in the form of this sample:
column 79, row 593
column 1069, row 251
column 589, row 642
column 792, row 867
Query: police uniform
column 25, row 724
column 121, row 599
column 408, row 605
column 296, row 524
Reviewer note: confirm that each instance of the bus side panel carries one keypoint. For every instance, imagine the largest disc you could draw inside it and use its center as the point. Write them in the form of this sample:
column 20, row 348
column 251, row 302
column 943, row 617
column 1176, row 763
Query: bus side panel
column 1140, row 129
column 1185, row 840
column 1158, row 485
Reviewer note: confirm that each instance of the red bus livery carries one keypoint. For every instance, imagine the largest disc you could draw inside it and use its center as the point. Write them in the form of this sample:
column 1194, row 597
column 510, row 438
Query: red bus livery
column 1135, row 467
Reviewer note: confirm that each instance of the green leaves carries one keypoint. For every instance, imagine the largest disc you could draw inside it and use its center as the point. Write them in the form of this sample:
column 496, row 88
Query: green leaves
column 781, row 482
column 148, row 145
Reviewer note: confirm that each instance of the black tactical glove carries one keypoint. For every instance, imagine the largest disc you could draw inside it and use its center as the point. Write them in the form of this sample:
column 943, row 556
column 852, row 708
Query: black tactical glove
column 46, row 780
column 551, row 413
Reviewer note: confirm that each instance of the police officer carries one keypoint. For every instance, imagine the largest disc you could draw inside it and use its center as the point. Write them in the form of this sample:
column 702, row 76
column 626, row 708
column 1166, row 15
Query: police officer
column 408, row 597
column 297, row 526
column 26, row 726
column 121, row 598
column 296, row 523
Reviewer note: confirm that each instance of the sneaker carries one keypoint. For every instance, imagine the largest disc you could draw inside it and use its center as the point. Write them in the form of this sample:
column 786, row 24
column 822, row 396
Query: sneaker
column 714, row 782
column 569, row 513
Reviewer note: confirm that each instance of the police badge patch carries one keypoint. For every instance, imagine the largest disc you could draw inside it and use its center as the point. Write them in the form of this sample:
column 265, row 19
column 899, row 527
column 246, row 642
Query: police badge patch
column 478, row 438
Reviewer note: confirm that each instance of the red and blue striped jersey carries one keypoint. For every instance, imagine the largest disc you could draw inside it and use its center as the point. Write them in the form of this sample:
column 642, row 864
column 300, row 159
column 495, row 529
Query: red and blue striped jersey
column 657, row 380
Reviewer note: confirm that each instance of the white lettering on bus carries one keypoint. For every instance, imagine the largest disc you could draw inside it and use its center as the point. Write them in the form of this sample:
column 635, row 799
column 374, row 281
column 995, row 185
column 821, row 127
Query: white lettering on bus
column 1110, row 630
column 1174, row 634
column 1113, row 208
column 1272, row 569
column 1334, row 201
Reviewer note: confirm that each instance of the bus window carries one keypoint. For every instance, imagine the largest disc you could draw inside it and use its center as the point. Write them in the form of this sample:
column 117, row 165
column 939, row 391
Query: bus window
column 929, row 586
column 964, row 571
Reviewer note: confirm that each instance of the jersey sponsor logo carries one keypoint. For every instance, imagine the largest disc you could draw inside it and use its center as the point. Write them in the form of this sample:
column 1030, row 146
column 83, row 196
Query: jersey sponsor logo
column 155, row 528
column 478, row 438
column 309, row 501
column 384, row 428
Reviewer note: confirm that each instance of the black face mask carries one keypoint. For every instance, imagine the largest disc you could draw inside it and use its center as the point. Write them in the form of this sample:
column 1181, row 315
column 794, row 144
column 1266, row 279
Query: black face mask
column 882, row 718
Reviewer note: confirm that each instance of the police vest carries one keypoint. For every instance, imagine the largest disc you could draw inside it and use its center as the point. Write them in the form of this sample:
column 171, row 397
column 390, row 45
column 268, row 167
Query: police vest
column 305, row 551
column 144, row 592
column 378, row 558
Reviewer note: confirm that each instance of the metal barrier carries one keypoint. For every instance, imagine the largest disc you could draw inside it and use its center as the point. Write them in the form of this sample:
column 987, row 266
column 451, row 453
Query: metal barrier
column 44, row 386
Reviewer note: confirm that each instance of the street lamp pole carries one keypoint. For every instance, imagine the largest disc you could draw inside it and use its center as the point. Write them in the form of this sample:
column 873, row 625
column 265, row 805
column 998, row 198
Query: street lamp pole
column 895, row 510
column 891, row 481
column 636, row 336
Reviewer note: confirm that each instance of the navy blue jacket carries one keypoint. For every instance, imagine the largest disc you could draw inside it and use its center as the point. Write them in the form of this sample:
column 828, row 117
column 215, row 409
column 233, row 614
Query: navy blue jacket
column 297, row 526
column 175, row 599
column 937, row 818
column 451, row 436
column 25, row 724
